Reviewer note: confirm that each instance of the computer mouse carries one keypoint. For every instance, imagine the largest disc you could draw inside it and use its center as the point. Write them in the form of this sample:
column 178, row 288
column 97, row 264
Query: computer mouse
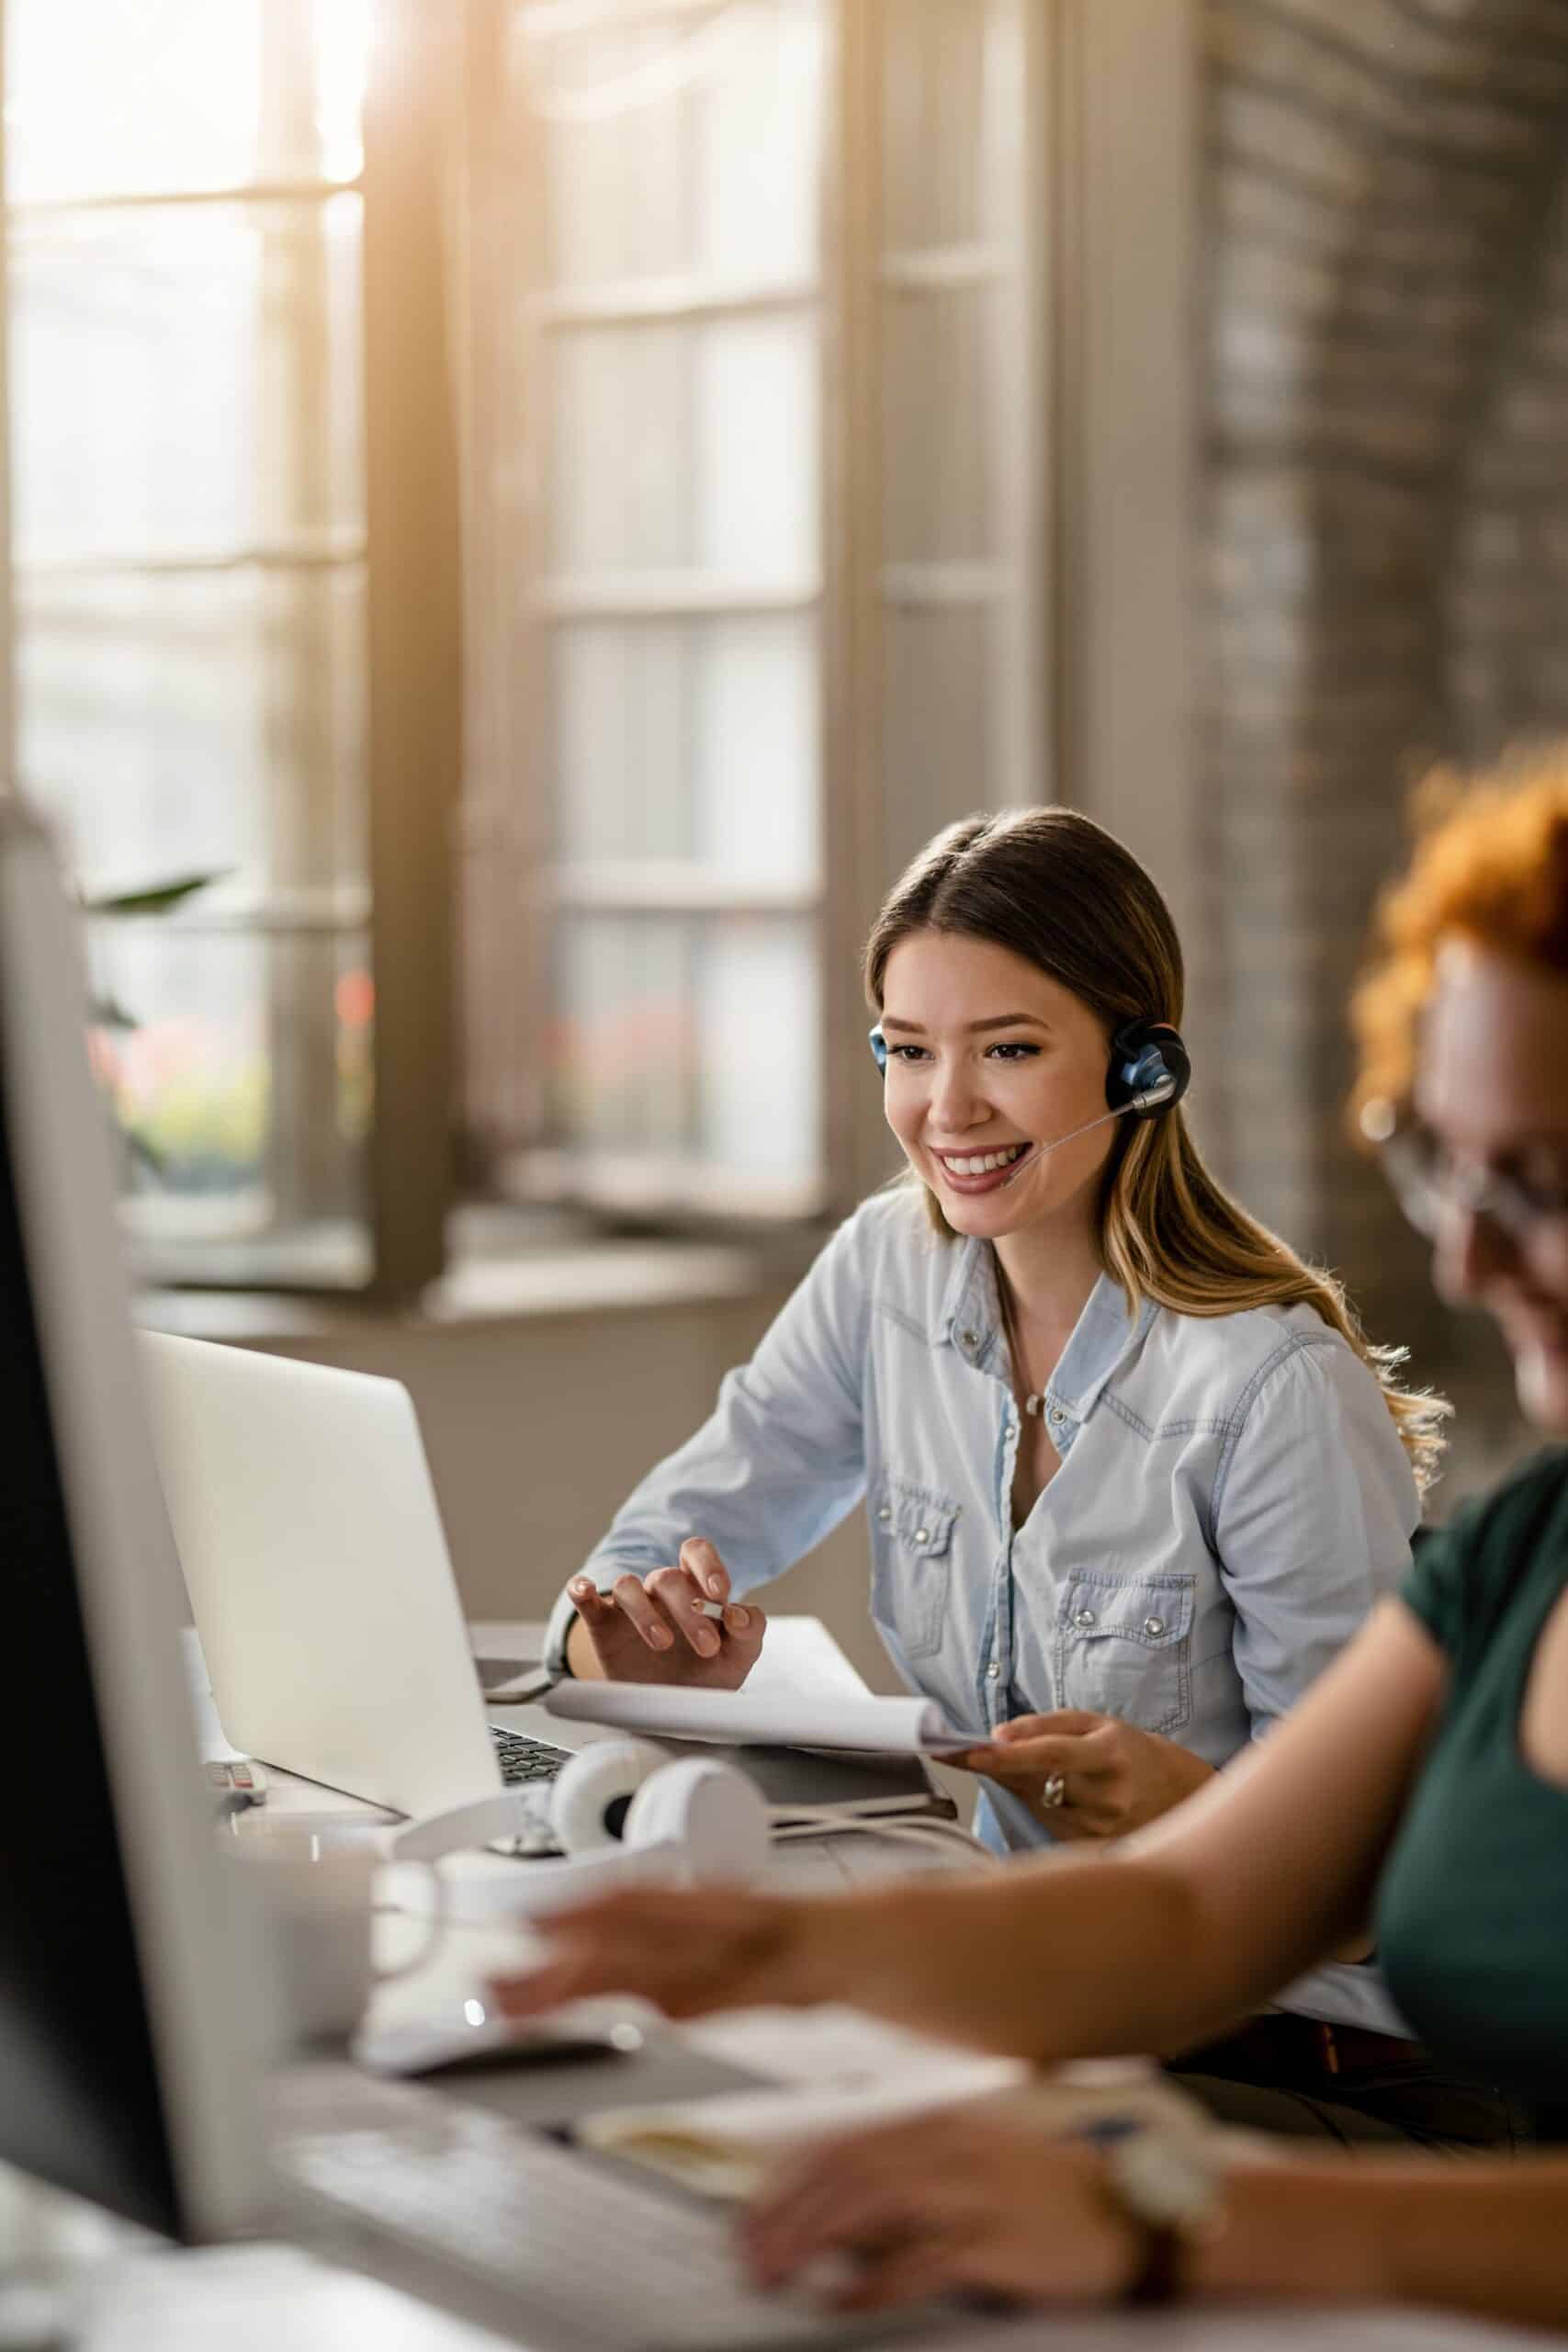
column 426, row 2049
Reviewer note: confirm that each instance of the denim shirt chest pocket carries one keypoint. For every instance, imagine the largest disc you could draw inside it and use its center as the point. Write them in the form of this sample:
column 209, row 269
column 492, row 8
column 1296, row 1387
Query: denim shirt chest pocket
column 911, row 1564
column 1124, row 1647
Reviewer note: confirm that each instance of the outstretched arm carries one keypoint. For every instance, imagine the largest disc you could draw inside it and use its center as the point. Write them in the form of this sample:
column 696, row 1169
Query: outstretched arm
column 1012, row 2211
column 1153, row 1947
column 779, row 1462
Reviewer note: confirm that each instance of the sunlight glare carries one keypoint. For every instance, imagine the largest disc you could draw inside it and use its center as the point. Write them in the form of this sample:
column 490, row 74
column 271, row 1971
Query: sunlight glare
column 343, row 36
column 175, row 97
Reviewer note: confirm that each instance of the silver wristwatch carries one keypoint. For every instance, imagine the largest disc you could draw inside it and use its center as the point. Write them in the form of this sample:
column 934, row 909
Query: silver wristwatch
column 1172, row 2184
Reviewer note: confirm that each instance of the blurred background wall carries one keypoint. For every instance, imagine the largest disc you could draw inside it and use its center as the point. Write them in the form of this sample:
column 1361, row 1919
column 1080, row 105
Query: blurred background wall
column 539, row 506
column 1385, row 343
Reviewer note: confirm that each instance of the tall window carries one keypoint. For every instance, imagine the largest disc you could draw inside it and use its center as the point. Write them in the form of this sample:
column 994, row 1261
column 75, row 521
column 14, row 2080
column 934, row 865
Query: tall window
column 195, row 586
column 734, row 307
column 190, row 562
column 756, row 582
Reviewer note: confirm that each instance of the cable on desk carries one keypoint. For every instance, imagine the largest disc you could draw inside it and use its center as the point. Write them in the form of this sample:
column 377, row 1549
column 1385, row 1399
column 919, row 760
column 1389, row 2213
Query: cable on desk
column 923, row 1831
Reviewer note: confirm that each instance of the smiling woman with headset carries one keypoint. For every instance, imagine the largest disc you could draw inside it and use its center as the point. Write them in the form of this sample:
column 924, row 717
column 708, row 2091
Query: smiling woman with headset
column 1133, row 1476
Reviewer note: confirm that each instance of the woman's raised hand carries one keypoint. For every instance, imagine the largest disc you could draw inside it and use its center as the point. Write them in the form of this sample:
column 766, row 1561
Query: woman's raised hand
column 1085, row 1775
column 656, row 1628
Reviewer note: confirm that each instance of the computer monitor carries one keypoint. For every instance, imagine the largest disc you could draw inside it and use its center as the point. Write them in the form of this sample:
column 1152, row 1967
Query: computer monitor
column 127, row 2055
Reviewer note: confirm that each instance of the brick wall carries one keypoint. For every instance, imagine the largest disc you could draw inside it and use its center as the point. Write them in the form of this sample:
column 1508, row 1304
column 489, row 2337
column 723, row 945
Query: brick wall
column 1385, row 542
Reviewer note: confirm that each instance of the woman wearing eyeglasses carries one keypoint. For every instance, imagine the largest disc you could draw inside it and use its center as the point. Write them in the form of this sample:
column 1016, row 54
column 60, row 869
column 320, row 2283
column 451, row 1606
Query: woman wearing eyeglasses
column 1419, row 1793
column 1133, row 1475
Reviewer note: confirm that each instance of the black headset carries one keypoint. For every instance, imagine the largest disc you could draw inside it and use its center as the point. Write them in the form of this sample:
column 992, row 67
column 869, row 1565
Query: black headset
column 1150, row 1069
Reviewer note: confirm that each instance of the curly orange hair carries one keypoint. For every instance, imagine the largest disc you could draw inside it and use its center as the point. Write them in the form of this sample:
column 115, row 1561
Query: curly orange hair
column 1490, row 866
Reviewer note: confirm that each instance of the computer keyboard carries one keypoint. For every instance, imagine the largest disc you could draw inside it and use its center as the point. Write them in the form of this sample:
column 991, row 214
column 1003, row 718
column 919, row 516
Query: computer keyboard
column 523, row 1759
column 536, row 2220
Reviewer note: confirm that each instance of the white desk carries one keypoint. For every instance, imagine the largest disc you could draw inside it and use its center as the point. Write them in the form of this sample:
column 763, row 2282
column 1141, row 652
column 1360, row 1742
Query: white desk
column 275, row 2299
column 271, row 2298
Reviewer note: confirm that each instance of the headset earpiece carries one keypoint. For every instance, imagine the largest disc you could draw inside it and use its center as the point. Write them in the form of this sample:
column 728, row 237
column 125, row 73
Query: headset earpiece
column 1150, row 1070
column 878, row 1044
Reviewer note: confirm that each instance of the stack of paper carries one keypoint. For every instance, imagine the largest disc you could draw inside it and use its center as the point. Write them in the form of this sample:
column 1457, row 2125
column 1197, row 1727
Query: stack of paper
column 749, row 1718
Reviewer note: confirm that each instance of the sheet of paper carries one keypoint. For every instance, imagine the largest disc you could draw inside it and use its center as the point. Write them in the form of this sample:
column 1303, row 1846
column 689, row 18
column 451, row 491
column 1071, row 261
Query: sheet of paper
column 831, row 2047
column 725, row 2146
column 765, row 1718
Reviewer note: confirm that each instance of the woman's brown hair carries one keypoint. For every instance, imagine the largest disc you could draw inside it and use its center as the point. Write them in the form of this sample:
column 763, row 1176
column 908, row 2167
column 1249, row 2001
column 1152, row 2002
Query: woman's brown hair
column 1055, row 888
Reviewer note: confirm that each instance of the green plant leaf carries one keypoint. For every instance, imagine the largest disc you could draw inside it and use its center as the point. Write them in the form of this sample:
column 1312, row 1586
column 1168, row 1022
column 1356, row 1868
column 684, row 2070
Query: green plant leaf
column 157, row 899
column 104, row 1013
column 138, row 1148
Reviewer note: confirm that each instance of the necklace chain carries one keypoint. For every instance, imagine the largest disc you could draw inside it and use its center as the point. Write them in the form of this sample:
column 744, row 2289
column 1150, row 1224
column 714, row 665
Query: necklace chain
column 1034, row 1399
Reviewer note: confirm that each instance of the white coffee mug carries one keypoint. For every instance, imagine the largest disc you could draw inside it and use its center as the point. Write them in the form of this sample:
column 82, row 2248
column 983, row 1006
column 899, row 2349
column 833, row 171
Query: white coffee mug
column 317, row 1883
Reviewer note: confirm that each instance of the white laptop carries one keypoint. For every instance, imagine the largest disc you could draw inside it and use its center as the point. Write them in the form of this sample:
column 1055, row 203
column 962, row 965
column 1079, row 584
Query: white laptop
column 319, row 1578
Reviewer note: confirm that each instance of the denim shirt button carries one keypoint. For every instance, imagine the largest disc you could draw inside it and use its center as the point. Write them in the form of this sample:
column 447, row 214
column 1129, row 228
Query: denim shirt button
column 1057, row 1416
column 1086, row 1617
column 884, row 1515
column 993, row 1671
column 1154, row 1626
column 970, row 1339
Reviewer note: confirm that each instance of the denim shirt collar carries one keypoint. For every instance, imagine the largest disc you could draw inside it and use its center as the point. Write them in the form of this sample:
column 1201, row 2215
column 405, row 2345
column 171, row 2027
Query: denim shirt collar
column 1104, row 1335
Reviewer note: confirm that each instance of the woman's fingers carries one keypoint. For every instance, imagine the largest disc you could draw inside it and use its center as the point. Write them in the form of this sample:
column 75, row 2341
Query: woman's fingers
column 670, row 1611
column 687, row 1951
column 1066, row 1721
column 595, row 1607
column 861, row 2191
column 960, row 2198
column 704, row 1567
column 918, row 2271
column 685, row 1609
column 1063, row 1766
column 843, row 2196
column 1012, row 1751
column 1027, row 1761
column 640, row 1608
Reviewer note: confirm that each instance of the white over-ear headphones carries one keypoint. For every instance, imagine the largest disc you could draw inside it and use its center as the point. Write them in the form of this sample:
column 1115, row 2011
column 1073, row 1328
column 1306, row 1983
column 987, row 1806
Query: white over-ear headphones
column 626, row 1792
column 615, row 1800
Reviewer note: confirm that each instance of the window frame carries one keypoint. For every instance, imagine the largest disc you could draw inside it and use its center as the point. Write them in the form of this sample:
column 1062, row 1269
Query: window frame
column 857, row 588
column 408, row 552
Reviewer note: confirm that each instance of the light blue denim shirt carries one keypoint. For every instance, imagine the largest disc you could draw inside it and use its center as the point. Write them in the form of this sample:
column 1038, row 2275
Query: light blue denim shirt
column 1232, row 1500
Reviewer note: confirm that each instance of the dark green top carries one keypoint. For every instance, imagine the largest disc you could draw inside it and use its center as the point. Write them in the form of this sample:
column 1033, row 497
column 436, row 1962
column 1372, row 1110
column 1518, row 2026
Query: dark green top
column 1472, row 1910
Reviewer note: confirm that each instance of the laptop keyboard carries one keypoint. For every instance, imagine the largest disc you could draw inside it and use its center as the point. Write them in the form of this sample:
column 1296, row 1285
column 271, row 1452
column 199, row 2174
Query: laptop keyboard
column 536, row 2220
column 523, row 1759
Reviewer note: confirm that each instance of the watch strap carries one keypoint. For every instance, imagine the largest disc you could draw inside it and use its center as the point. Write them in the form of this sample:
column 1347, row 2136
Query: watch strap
column 1166, row 2188
column 1158, row 2279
